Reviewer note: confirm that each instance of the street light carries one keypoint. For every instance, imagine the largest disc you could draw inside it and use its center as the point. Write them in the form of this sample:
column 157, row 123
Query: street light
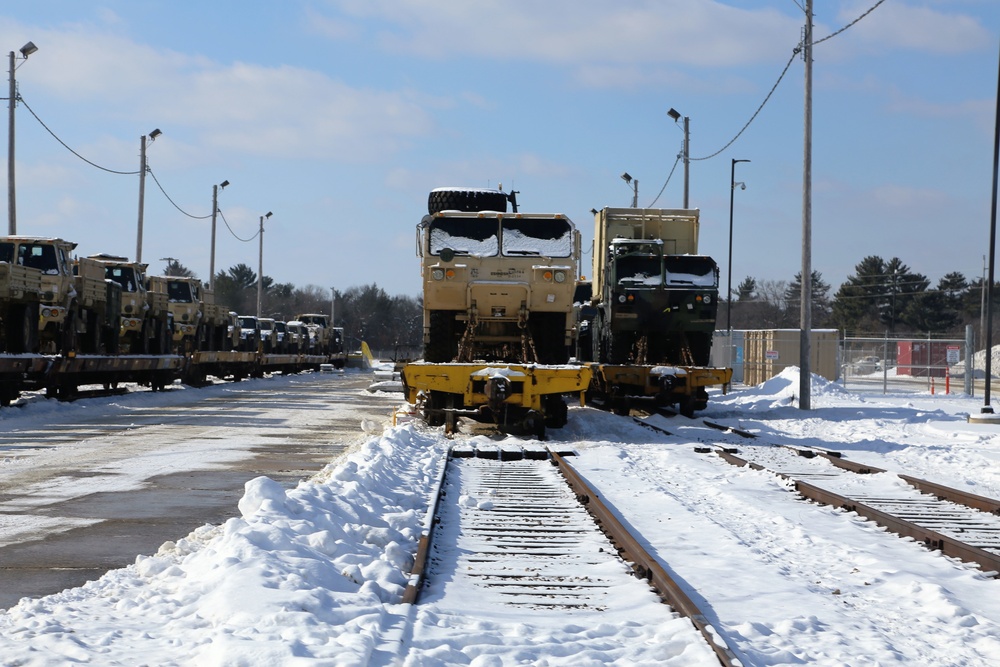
column 142, row 188
column 729, row 289
column 333, row 303
column 260, row 264
column 685, row 152
column 635, row 188
column 26, row 51
column 215, row 210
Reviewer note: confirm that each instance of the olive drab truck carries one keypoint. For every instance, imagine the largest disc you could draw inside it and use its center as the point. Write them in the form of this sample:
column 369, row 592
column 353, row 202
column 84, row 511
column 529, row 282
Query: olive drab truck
column 145, row 314
column 655, row 297
column 647, row 319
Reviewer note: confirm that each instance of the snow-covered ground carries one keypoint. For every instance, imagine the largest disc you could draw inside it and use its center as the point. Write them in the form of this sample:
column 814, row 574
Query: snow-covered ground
column 314, row 575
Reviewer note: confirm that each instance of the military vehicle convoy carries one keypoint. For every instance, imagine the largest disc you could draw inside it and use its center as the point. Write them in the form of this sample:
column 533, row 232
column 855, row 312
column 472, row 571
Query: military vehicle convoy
column 323, row 339
column 98, row 320
column 77, row 310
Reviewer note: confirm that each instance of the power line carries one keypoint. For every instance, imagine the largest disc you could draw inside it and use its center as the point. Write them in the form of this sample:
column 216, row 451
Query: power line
column 834, row 34
column 666, row 181
column 93, row 164
column 234, row 233
column 795, row 52
column 196, row 217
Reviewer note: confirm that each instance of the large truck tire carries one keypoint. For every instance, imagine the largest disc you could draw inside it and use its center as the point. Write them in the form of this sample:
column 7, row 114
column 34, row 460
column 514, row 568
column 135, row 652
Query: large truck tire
column 455, row 199
column 21, row 329
column 442, row 343
column 548, row 331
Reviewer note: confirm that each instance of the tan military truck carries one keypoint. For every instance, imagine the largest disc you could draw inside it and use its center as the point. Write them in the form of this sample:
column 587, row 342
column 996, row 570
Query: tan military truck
column 20, row 295
column 198, row 322
column 79, row 309
column 497, row 286
column 145, row 315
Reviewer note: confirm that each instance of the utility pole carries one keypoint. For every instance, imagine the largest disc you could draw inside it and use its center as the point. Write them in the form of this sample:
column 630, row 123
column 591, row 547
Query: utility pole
column 11, row 205
column 687, row 157
column 805, row 313
column 142, row 196
column 987, row 409
column 260, row 266
column 215, row 210
column 142, row 189
column 26, row 51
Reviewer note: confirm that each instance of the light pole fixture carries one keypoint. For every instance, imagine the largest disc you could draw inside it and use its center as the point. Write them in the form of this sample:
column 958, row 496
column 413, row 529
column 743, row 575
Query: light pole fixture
column 686, row 151
column 729, row 271
column 987, row 408
column 215, row 210
column 634, row 182
column 26, row 51
column 333, row 303
column 260, row 264
column 142, row 188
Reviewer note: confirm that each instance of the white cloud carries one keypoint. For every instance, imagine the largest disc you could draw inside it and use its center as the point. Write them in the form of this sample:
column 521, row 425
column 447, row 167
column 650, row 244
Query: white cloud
column 275, row 111
column 705, row 34
column 917, row 27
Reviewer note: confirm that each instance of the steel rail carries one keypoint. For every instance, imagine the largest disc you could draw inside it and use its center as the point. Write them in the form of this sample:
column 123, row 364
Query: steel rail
column 644, row 566
column 417, row 575
column 941, row 491
column 932, row 539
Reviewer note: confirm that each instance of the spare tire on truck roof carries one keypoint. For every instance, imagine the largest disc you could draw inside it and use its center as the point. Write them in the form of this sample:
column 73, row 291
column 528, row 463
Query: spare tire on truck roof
column 466, row 199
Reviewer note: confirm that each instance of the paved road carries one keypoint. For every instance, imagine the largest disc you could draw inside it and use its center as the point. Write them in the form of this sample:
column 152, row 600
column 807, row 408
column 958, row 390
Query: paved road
column 86, row 488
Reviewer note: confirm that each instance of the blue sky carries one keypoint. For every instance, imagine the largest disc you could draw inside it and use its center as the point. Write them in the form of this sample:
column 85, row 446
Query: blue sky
column 340, row 115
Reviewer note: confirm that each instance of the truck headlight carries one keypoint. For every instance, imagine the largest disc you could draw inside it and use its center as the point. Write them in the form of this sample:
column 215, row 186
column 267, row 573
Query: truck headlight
column 560, row 276
column 708, row 298
column 438, row 274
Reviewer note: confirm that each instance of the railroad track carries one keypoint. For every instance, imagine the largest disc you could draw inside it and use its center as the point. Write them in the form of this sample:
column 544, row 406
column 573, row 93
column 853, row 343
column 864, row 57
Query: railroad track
column 526, row 531
column 956, row 523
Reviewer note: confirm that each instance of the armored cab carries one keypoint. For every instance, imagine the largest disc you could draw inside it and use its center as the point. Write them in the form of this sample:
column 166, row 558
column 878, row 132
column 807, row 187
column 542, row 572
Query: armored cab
column 654, row 298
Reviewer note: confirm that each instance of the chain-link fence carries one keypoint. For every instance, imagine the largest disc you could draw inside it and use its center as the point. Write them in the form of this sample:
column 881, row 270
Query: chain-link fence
column 900, row 364
column 886, row 364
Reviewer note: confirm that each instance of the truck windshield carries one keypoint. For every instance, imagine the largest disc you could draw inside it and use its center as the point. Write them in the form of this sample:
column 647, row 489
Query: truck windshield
column 639, row 271
column 532, row 236
column 179, row 292
column 38, row 256
column 123, row 275
column 464, row 236
column 691, row 270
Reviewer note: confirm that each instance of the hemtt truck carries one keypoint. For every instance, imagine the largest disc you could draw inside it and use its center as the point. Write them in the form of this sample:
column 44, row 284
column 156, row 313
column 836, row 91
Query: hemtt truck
column 498, row 313
column 654, row 298
column 497, row 286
